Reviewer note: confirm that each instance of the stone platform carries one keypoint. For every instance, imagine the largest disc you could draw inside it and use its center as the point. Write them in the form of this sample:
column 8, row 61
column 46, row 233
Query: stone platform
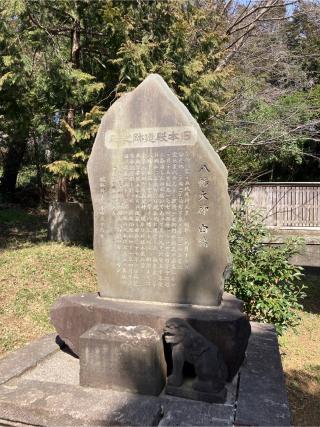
column 226, row 326
column 39, row 386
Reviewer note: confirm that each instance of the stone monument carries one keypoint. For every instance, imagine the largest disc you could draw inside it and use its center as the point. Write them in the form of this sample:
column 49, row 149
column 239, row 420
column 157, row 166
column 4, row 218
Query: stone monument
column 162, row 209
column 161, row 222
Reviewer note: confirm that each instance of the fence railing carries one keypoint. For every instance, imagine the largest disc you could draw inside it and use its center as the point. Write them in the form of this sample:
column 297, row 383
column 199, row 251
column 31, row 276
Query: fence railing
column 288, row 204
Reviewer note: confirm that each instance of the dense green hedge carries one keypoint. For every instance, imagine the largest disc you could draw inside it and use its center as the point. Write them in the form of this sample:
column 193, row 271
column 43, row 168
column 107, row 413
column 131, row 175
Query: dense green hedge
column 262, row 276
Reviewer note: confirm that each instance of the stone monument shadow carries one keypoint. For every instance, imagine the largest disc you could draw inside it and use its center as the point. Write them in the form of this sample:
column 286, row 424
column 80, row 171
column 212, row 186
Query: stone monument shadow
column 193, row 283
column 65, row 348
column 311, row 303
column 138, row 410
column 305, row 390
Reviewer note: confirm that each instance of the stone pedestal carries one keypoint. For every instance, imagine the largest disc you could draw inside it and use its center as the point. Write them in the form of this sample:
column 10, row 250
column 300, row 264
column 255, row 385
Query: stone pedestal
column 39, row 386
column 225, row 326
column 125, row 358
column 187, row 392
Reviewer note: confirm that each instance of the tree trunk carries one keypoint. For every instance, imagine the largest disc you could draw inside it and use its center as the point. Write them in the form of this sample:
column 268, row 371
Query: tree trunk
column 12, row 165
column 38, row 167
column 75, row 45
column 62, row 189
column 62, row 184
column 75, row 60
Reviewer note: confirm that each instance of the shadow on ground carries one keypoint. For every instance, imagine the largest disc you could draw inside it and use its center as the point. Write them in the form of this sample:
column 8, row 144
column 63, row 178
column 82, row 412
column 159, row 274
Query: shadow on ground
column 21, row 227
column 311, row 304
column 304, row 396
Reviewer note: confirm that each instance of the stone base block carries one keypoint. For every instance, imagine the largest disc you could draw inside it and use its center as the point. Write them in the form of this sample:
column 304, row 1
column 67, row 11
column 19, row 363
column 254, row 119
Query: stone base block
column 70, row 222
column 262, row 397
column 187, row 392
column 38, row 403
column 39, row 387
column 125, row 358
column 226, row 326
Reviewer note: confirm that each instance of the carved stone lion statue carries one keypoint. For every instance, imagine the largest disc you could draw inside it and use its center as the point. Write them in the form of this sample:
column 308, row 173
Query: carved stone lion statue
column 189, row 346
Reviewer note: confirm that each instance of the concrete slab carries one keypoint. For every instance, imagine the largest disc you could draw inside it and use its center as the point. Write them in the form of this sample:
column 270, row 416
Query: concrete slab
column 184, row 412
column 262, row 396
column 187, row 392
column 309, row 255
column 53, row 404
column 27, row 357
column 59, row 367
column 46, row 393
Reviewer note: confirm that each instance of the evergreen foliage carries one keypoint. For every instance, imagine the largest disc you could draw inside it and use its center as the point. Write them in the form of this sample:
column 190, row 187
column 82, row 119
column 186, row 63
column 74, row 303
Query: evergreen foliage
column 114, row 46
column 262, row 275
column 62, row 60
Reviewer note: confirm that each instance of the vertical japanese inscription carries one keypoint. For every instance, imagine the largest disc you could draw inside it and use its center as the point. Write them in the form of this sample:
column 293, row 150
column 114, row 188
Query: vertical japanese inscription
column 101, row 208
column 204, row 192
column 149, row 197
column 161, row 207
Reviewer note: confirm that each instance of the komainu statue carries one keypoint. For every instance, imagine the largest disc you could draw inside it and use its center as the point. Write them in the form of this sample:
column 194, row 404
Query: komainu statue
column 189, row 346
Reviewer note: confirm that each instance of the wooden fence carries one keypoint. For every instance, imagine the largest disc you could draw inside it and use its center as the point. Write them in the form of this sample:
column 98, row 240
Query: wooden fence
column 284, row 204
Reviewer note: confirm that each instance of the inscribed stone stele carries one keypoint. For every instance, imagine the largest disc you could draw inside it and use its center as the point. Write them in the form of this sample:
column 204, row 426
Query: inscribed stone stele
column 161, row 205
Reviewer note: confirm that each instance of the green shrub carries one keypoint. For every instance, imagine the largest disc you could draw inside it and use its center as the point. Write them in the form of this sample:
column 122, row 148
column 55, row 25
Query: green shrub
column 262, row 276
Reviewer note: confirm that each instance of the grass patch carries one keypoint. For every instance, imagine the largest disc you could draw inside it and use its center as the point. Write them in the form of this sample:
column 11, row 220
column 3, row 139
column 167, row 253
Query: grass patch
column 31, row 279
column 34, row 273
column 300, row 352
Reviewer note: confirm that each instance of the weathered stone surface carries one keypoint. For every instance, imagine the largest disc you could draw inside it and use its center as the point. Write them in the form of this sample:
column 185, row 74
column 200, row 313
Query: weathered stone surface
column 182, row 412
column 51, row 404
column 27, row 357
column 70, row 222
column 60, row 367
column 225, row 326
column 125, row 358
column 161, row 206
column 5, row 423
column 47, row 402
column 262, row 397
column 186, row 391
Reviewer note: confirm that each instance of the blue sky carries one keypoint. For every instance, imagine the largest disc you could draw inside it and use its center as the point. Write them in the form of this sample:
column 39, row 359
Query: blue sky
column 289, row 8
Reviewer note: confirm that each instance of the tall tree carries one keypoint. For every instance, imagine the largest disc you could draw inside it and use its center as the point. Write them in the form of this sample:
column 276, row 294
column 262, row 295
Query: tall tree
column 270, row 127
column 15, row 79
column 238, row 68
column 43, row 40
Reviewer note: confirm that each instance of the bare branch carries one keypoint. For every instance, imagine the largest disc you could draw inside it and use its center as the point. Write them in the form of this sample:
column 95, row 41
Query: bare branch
column 226, row 6
column 51, row 31
column 269, row 5
column 256, row 14
column 282, row 18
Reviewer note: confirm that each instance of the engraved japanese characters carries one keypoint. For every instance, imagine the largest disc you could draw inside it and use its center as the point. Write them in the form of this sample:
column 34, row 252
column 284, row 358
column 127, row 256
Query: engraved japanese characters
column 161, row 206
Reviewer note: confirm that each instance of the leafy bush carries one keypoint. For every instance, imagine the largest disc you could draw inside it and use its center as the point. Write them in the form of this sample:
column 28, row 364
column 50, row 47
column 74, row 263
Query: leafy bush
column 262, row 275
